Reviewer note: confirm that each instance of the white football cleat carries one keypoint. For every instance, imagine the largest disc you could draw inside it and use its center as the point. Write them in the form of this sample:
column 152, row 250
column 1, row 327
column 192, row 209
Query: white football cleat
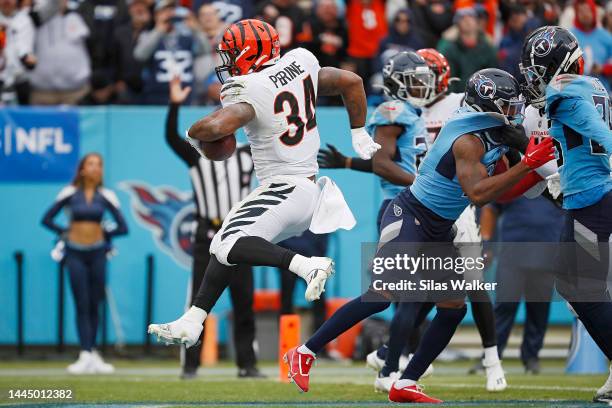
column 604, row 393
column 99, row 365
column 180, row 331
column 384, row 384
column 377, row 363
column 374, row 362
column 496, row 379
column 320, row 268
column 83, row 365
column 403, row 363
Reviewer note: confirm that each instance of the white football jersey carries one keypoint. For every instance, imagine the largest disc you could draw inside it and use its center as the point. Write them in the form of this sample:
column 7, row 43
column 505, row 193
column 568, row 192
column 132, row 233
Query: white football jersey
column 535, row 124
column 436, row 115
column 283, row 135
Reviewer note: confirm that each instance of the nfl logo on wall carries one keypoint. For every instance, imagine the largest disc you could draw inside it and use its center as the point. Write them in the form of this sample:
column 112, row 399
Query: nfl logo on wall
column 38, row 144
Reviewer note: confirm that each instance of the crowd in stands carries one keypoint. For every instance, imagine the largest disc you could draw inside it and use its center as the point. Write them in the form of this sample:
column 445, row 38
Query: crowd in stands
column 93, row 52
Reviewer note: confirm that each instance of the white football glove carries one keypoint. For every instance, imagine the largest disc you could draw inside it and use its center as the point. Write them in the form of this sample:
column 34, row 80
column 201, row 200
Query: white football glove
column 554, row 185
column 194, row 143
column 363, row 143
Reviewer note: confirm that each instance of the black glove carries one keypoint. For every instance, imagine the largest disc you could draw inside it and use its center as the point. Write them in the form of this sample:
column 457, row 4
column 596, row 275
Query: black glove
column 513, row 136
column 331, row 158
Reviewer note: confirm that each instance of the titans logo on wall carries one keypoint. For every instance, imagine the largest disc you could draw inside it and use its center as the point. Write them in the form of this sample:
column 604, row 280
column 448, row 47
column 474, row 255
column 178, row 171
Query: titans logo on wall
column 169, row 214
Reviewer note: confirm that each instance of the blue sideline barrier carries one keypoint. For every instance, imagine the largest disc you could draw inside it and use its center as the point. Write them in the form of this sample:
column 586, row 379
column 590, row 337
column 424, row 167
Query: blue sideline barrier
column 131, row 140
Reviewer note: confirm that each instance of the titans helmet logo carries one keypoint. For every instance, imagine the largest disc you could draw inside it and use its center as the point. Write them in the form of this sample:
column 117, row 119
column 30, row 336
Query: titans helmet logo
column 485, row 87
column 168, row 214
column 543, row 43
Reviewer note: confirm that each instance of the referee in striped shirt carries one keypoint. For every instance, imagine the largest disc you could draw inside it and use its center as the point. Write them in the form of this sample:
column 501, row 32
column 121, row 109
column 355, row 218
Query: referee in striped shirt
column 217, row 186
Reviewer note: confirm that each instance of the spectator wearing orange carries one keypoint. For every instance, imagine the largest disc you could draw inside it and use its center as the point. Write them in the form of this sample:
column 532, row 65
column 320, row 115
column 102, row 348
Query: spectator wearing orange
column 367, row 26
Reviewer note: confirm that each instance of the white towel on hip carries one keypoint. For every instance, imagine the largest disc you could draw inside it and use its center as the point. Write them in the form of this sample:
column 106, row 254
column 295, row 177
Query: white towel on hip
column 332, row 212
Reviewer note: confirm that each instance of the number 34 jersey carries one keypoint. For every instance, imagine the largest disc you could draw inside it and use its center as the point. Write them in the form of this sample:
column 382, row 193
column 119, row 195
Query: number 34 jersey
column 283, row 135
column 579, row 110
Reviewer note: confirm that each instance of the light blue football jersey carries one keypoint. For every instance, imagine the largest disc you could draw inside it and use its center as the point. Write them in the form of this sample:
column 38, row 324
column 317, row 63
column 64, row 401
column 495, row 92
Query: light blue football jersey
column 437, row 186
column 579, row 109
column 411, row 143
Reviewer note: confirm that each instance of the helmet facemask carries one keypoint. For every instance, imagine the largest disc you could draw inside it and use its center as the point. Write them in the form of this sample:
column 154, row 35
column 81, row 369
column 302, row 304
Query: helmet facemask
column 537, row 77
column 535, row 84
column 415, row 86
column 228, row 66
column 512, row 109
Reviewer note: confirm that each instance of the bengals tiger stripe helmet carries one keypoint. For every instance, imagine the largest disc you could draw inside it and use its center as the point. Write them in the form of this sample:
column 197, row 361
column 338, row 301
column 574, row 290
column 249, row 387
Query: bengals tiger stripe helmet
column 246, row 46
column 439, row 65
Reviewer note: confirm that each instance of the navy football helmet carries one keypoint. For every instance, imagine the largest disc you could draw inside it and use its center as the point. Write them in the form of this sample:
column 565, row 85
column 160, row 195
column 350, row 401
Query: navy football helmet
column 548, row 52
column 494, row 90
column 407, row 77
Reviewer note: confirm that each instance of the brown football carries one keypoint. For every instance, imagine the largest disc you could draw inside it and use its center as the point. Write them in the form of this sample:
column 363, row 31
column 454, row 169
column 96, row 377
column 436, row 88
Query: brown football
column 221, row 149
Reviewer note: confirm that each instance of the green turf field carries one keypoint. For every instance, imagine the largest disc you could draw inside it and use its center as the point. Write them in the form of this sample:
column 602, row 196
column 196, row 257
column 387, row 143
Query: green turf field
column 155, row 383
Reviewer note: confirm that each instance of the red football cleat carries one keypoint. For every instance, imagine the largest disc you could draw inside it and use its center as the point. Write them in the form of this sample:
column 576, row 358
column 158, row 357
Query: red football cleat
column 299, row 367
column 411, row 394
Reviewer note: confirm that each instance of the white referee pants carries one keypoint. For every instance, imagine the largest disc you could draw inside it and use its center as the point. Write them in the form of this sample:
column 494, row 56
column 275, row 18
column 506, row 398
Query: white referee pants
column 281, row 207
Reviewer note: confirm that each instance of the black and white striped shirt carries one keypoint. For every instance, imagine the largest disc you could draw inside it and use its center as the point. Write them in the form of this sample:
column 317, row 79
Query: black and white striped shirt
column 217, row 185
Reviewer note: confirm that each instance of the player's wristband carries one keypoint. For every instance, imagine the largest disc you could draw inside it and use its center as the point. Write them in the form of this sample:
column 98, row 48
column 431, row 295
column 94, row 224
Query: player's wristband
column 361, row 164
column 347, row 162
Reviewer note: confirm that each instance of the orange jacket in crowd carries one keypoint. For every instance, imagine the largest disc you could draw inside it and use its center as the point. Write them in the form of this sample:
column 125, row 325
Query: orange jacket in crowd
column 367, row 26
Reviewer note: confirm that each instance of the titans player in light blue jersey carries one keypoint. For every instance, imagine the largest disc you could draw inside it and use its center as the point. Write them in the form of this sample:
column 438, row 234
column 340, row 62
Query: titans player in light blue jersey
column 439, row 107
column 458, row 169
column 578, row 107
column 397, row 124
column 398, row 127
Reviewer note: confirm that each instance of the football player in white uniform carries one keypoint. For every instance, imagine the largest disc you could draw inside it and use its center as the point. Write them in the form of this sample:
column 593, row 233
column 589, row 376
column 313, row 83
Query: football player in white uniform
column 274, row 99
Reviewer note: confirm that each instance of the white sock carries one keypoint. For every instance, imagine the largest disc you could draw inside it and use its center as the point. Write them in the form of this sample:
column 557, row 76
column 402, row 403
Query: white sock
column 399, row 384
column 305, row 350
column 298, row 266
column 491, row 356
column 195, row 314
